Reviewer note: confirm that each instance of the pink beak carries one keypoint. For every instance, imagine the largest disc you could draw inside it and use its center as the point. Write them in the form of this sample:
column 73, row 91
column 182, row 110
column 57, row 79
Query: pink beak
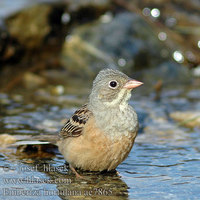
column 132, row 84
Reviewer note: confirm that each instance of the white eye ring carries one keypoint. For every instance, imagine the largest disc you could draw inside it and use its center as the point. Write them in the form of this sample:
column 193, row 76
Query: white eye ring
column 113, row 84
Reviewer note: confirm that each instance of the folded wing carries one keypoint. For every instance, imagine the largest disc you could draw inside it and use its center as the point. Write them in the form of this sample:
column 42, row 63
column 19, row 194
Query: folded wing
column 74, row 126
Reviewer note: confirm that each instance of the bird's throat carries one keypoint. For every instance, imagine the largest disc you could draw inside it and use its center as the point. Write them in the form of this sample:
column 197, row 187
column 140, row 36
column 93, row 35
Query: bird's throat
column 121, row 99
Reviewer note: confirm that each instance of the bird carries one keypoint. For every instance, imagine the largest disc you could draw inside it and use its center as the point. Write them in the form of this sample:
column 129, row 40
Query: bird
column 100, row 135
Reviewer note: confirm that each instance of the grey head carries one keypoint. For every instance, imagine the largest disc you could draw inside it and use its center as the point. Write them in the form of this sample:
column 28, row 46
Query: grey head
column 110, row 88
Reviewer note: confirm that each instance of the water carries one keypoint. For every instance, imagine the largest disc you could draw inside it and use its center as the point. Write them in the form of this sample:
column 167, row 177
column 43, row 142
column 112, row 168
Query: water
column 164, row 171
column 163, row 164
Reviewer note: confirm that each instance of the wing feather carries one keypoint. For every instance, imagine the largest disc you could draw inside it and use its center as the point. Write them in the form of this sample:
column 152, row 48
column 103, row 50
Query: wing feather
column 74, row 126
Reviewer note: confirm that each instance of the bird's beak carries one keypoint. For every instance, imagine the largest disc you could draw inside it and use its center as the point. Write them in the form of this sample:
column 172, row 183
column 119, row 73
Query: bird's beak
column 132, row 84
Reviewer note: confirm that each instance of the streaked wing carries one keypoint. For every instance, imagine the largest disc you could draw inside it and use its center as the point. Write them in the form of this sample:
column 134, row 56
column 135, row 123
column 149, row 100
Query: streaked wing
column 74, row 126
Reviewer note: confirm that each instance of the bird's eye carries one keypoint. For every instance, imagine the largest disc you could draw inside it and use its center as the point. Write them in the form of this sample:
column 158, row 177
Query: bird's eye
column 113, row 84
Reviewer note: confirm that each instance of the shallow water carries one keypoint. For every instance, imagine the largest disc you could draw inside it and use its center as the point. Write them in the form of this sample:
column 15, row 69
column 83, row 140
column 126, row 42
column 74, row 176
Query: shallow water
column 163, row 164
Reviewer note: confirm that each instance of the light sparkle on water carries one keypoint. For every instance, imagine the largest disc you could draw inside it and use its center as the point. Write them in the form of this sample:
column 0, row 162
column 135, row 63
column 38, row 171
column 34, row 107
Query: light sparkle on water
column 155, row 12
column 162, row 36
column 178, row 57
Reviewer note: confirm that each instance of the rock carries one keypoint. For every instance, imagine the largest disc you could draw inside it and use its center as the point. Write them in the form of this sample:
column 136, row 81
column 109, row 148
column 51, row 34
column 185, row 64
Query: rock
column 168, row 72
column 9, row 48
column 32, row 81
column 47, row 97
column 189, row 119
column 123, row 40
column 30, row 26
column 6, row 139
column 58, row 90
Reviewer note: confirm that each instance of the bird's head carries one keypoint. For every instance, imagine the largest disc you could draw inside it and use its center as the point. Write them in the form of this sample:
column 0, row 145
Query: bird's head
column 111, row 88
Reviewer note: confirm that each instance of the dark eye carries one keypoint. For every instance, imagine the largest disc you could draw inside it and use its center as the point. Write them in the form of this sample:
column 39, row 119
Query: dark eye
column 113, row 84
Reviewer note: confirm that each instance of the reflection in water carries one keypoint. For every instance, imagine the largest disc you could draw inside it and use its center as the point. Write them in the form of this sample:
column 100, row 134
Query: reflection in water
column 99, row 186
column 52, row 177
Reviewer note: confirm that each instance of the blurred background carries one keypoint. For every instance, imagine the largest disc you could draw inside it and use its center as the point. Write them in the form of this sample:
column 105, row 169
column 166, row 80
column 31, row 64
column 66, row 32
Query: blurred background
column 51, row 50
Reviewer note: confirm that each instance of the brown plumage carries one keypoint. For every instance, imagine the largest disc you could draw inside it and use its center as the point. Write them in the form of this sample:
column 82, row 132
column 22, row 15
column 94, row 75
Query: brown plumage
column 100, row 135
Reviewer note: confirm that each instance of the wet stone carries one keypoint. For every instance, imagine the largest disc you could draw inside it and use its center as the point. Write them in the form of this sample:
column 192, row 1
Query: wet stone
column 189, row 119
column 30, row 26
column 32, row 81
column 93, row 46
